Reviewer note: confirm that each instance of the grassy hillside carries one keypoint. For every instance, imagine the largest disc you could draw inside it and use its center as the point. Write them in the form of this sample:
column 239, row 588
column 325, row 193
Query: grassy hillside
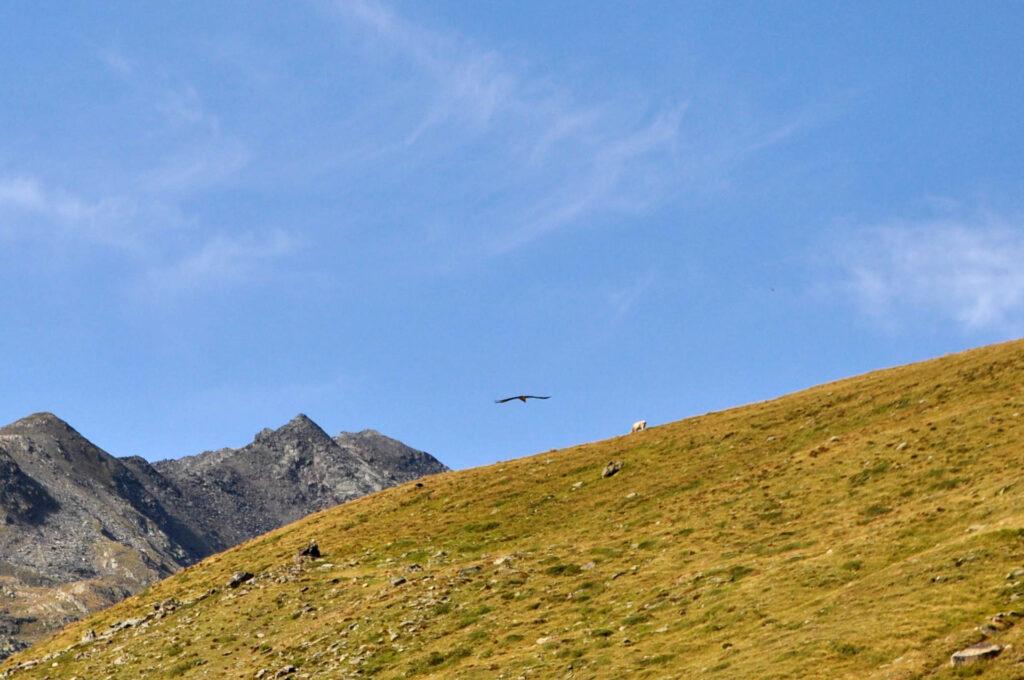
column 861, row 529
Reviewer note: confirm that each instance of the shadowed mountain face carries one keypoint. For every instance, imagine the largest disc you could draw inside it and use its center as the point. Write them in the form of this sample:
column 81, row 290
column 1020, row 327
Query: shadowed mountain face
column 80, row 529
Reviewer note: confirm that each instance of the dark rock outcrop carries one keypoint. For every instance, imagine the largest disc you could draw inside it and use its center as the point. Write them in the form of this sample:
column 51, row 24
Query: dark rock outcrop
column 23, row 500
column 611, row 469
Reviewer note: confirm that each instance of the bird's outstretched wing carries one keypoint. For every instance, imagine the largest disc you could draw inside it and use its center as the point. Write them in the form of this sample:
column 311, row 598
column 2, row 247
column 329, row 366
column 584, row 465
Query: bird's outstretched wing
column 520, row 397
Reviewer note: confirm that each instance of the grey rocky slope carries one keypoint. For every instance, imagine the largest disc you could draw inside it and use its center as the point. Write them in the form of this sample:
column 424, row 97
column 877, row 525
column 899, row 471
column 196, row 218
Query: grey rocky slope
column 80, row 529
column 388, row 456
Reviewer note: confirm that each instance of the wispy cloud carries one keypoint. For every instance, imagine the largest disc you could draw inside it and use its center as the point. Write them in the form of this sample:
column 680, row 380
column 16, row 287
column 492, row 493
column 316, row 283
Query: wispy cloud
column 31, row 211
column 965, row 271
column 142, row 211
column 223, row 261
column 198, row 167
column 625, row 299
column 566, row 157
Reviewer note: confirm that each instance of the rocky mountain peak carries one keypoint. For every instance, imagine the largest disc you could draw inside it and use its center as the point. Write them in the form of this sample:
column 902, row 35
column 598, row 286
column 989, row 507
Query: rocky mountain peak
column 299, row 430
column 42, row 423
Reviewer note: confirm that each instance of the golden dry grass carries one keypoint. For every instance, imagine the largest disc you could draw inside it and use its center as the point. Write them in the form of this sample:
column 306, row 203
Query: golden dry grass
column 860, row 529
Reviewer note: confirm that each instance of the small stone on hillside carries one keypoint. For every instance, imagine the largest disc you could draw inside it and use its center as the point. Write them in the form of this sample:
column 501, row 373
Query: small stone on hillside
column 901, row 446
column 611, row 468
column 311, row 550
column 238, row 578
column 978, row 652
column 168, row 605
column 578, row 485
column 1015, row 574
column 287, row 670
column 398, row 581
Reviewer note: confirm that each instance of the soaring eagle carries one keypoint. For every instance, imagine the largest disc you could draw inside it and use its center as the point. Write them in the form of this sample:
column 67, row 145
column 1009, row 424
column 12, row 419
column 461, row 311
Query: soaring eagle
column 521, row 397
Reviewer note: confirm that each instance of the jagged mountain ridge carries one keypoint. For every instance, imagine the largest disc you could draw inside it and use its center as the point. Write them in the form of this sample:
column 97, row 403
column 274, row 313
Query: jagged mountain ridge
column 282, row 475
column 81, row 529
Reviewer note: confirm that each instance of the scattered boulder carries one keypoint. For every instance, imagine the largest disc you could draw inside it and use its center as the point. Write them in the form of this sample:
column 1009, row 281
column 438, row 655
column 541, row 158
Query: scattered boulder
column 398, row 581
column 311, row 550
column 127, row 623
column 1015, row 574
column 987, row 629
column 612, row 468
column 239, row 577
column 286, row 670
column 168, row 605
column 978, row 652
column 1000, row 622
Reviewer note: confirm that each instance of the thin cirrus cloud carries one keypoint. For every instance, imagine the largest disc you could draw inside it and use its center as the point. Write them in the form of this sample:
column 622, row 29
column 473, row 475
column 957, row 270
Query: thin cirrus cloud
column 139, row 214
column 33, row 211
column 35, row 215
column 966, row 272
column 522, row 156
column 624, row 300
column 561, row 158
column 222, row 261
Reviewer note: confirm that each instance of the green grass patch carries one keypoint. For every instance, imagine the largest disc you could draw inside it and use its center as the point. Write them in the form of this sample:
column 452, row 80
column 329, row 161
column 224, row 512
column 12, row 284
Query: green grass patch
column 563, row 570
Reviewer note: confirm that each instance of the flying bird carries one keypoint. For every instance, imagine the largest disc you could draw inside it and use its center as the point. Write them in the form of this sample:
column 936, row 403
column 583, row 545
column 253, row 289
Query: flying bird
column 521, row 397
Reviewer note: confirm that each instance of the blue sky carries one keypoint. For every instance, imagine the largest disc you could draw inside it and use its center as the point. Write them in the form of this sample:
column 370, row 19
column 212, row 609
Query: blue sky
column 214, row 216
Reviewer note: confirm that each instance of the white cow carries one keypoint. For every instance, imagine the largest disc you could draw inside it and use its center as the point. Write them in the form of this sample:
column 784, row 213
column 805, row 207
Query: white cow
column 639, row 425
